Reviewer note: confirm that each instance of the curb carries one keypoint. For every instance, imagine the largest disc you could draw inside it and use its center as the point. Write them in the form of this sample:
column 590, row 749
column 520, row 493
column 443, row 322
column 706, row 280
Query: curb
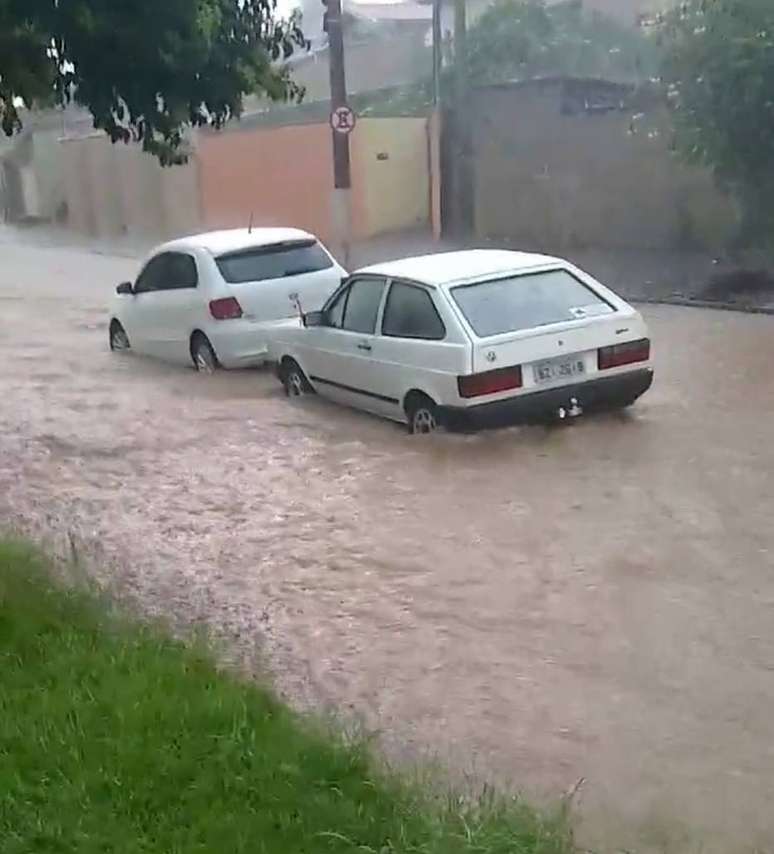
column 711, row 304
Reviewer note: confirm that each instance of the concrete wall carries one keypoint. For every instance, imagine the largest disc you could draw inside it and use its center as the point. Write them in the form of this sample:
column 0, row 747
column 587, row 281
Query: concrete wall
column 550, row 173
column 276, row 175
column 21, row 184
column 33, row 160
column 113, row 190
column 46, row 162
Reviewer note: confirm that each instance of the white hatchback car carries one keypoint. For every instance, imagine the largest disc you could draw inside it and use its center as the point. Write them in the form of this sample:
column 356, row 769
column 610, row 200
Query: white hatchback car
column 212, row 297
column 478, row 338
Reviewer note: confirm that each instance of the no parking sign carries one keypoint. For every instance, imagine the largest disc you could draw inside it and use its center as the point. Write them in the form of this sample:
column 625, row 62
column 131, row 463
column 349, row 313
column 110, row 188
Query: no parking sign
column 343, row 120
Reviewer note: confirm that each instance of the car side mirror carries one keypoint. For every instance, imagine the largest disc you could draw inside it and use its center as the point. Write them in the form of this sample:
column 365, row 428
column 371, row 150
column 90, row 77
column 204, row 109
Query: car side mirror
column 124, row 288
column 344, row 279
column 315, row 318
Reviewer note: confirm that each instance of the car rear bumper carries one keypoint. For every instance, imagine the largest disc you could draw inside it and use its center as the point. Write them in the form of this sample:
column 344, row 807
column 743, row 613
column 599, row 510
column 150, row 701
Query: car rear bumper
column 241, row 351
column 243, row 343
column 607, row 393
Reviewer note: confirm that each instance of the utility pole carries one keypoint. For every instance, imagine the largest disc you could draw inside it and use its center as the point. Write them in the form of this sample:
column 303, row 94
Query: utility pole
column 460, row 50
column 437, row 52
column 342, row 123
column 435, row 127
column 462, row 129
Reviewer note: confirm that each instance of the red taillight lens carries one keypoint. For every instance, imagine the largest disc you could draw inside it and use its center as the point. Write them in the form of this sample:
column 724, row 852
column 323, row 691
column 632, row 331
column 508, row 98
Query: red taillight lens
column 225, row 309
column 503, row 379
column 623, row 354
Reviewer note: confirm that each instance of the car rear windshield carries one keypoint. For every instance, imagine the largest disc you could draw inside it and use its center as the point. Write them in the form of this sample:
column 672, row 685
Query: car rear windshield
column 273, row 262
column 524, row 302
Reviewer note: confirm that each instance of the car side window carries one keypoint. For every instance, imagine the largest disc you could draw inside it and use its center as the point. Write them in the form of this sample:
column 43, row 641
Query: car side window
column 334, row 313
column 180, row 272
column 152, row 276
column 410, row 313
column 365, row 297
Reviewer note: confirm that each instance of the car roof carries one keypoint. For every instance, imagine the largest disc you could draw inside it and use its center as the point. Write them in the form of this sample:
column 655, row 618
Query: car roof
column 446, row 268
column 235, row 239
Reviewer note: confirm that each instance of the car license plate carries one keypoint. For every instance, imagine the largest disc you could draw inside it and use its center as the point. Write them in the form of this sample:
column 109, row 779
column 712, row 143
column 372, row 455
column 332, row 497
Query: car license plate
column 553, row 370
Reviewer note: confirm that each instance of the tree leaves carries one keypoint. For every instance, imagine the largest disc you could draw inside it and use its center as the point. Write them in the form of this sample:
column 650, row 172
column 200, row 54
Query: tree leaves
column 719, row 76
column 24, row 64
column 145, row 69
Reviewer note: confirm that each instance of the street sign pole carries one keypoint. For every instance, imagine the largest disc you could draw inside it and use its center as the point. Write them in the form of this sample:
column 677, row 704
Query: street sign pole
column 342, row 180
column 435, row 125
column 462, row 131
column 437, row 48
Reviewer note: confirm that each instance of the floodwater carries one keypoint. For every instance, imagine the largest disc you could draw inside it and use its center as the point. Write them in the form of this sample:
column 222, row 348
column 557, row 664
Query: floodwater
column 528, row 606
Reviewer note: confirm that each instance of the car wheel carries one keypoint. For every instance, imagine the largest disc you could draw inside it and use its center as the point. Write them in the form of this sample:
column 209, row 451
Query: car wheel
column 204, row 358
column 119, row 340
column 423, row 417
column 294, row 379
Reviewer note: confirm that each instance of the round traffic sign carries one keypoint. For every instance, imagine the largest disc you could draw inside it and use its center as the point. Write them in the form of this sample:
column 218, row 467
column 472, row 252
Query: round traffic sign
column 343, row 120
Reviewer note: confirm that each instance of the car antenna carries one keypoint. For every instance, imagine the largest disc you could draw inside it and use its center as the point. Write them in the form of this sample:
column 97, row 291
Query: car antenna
column 295, row 298
column 250, row 224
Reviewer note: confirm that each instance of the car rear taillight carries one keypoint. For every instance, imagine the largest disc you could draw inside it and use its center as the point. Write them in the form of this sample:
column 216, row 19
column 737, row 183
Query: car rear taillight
column 623, row 354
column 491, row 382
column 227, row 308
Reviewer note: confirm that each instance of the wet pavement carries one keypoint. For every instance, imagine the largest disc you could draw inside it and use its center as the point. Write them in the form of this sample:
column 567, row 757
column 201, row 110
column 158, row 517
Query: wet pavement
column 530, row 606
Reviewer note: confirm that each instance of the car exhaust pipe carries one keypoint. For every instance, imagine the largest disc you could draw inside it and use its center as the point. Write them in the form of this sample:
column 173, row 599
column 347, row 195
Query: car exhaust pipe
column 573, row 411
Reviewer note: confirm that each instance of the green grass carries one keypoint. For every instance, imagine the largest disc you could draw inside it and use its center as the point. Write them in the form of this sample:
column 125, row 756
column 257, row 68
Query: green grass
column 114, row 738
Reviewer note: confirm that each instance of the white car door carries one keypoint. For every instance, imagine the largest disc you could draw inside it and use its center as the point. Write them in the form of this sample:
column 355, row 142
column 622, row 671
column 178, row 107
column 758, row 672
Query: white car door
column 421, row 348
column 176, row 307
column 314, row 344
column 340, row 358
column 139, row 314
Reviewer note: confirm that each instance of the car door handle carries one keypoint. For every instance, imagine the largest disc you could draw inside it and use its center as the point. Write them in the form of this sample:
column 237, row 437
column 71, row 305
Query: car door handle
column 364, row 345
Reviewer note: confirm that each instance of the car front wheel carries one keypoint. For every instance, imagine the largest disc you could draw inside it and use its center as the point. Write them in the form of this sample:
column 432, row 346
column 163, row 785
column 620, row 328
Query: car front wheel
column 294, row 380
column 119, row 340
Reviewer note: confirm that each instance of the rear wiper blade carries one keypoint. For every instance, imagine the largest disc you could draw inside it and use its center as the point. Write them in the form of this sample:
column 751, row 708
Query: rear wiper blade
column 298, row 272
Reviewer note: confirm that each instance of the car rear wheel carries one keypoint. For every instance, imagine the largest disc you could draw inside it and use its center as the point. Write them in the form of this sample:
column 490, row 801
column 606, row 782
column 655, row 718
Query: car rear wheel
column 423, row 416
column 294, row 379
column 119, row 340
column 203, row 355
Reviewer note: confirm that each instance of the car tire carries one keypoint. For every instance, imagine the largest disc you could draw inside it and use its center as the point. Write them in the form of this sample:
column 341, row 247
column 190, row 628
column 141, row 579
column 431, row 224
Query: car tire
column 119, row 340
column 294, row 379
column 203, row 355
column 423, row 415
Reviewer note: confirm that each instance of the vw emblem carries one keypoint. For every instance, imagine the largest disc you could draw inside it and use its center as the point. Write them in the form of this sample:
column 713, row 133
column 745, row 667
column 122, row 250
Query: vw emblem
column 491, row 356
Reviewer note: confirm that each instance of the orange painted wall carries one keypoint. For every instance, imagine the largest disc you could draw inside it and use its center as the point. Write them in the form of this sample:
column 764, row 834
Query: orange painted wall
column 282, row 174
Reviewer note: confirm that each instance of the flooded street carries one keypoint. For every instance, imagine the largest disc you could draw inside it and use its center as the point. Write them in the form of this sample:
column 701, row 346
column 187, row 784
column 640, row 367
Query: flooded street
column 531, row 606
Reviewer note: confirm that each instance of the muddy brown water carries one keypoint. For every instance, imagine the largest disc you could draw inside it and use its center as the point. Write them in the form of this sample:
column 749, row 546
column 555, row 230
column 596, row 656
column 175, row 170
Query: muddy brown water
column 528, row 606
